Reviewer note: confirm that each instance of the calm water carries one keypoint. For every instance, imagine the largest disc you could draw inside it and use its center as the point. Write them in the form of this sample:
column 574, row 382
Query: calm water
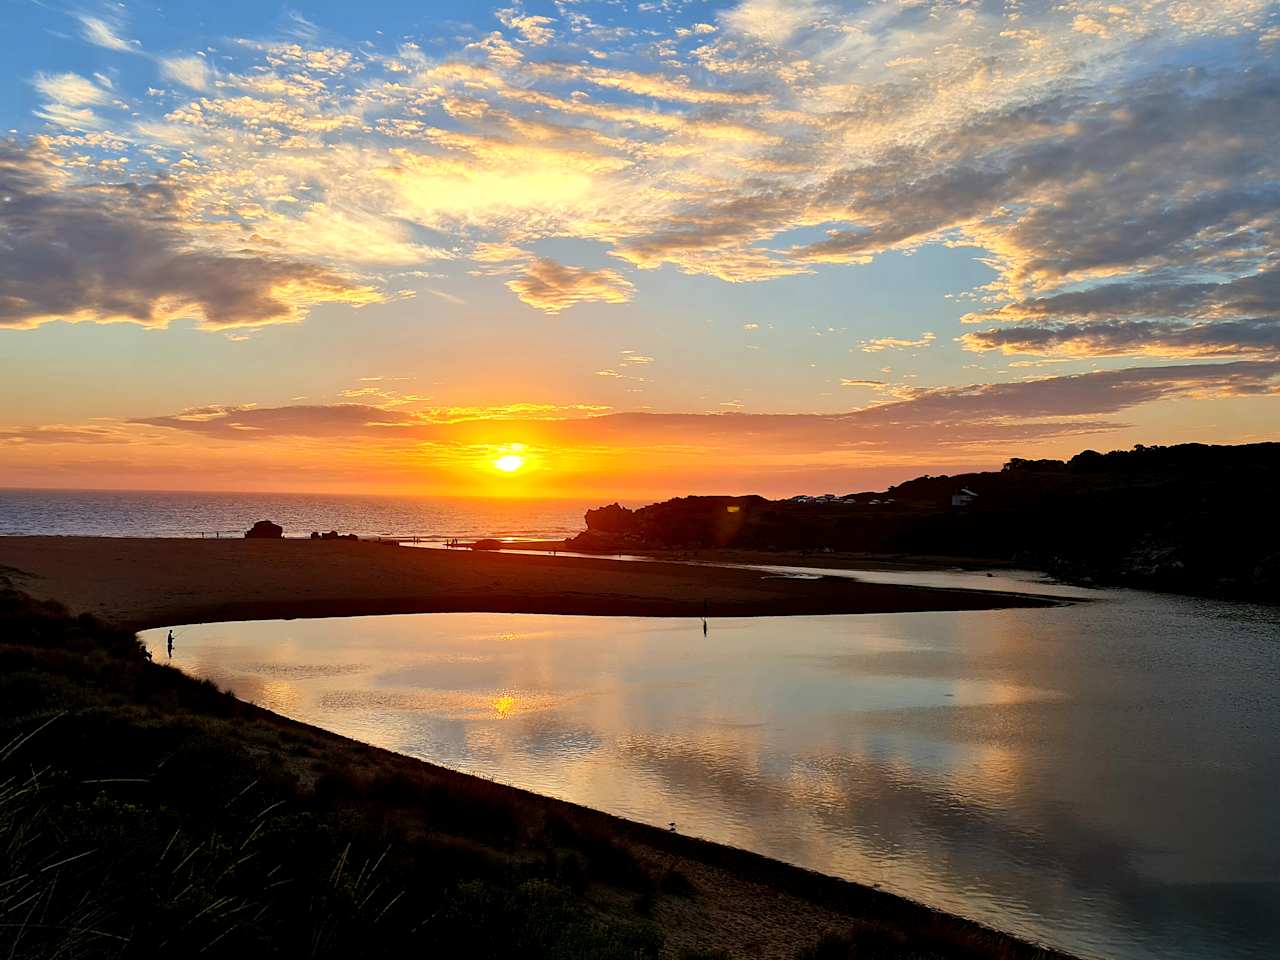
column 1102, row 776
column 130, row 513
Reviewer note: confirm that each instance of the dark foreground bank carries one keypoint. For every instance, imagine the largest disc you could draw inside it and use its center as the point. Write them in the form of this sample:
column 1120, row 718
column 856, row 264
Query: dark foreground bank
column 147, row 814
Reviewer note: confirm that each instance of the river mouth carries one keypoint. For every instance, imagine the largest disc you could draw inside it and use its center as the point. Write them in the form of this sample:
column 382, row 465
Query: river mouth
column 1094, row 776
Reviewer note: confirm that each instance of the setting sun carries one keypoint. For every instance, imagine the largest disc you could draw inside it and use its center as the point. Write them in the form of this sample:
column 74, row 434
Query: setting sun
column 509, row 463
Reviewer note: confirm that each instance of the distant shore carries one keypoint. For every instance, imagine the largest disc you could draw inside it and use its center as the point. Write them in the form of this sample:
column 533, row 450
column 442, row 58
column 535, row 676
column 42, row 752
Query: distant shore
column 140, row 583
column 780, row 558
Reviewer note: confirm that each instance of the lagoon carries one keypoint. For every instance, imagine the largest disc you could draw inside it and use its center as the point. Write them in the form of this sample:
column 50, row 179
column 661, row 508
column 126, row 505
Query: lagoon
column 1098, row 776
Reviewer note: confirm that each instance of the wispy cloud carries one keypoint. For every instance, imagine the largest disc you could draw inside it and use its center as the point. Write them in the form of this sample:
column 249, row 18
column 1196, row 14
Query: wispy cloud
column 105, row 32
column 979, row 418
column 191, row 72
column 897, row 343
column 71, row 89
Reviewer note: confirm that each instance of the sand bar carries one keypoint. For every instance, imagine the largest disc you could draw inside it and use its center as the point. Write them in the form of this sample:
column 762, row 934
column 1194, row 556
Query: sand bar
column 142, row 583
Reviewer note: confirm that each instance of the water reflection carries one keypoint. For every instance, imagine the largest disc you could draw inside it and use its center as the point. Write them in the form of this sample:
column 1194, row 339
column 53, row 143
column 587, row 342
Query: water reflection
column 1097, row 776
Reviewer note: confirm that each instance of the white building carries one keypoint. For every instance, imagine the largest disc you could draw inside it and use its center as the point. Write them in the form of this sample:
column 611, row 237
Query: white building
column 963, row 497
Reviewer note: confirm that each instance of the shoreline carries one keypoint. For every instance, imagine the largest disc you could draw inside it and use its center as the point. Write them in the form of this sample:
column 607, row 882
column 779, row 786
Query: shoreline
column 144, row 583
column 887, row 562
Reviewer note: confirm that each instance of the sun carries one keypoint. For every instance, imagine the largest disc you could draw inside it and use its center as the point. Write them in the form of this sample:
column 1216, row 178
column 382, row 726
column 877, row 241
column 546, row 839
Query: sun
column 509, row 463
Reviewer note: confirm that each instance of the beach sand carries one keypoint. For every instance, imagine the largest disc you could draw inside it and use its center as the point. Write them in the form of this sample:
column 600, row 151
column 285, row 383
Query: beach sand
column 140, row 583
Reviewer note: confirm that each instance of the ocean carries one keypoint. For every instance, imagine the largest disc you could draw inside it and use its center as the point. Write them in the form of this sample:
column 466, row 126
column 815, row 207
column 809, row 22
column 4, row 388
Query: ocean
column 144, row 513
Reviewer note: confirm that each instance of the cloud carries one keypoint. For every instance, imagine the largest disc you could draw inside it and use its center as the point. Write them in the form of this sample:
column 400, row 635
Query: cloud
column 1255, row 294
column 71, row 89
column 976, row 418
column 1153, row 317
column 191, row 72
column 104, row 33
column 121, row 253
column 69, row 99
column 551, row 287
column 770, row 21
column 533, row 30
column 59, row 434
column 1073, row 160
column 897, row 343
column 1115, row 338
column 659, row 86
column 345, row 419
column 578, row 447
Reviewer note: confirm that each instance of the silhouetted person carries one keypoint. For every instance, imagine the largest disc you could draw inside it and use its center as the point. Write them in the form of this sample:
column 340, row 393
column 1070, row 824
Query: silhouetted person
column 170, row 644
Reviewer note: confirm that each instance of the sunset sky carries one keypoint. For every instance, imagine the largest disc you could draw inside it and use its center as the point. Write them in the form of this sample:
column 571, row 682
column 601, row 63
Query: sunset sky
column 635, row 249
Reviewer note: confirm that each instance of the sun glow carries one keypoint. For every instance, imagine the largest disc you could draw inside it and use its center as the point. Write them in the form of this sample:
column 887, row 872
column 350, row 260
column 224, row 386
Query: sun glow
column 509, row 463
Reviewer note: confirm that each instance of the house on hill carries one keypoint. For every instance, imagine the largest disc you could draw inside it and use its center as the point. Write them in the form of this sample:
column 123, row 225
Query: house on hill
column 963, row 497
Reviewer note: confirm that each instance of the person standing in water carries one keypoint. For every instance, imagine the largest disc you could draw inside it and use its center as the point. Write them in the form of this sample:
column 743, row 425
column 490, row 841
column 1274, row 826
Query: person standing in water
column 170, row 644
column 704, row 617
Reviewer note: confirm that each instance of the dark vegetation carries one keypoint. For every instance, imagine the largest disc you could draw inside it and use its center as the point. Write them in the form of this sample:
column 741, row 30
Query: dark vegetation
column 147, row 814
column 1190, row 518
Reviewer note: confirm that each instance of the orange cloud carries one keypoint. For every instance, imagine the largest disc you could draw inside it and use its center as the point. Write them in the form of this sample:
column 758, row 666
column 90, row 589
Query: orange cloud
column 551, row 287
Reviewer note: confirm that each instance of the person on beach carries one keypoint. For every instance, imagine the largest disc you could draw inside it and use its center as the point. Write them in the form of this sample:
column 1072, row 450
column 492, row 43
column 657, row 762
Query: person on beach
column 170, row 644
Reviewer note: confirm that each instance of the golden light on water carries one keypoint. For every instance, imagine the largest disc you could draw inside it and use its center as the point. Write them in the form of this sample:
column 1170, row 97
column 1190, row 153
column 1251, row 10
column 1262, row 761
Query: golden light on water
column 504, row 705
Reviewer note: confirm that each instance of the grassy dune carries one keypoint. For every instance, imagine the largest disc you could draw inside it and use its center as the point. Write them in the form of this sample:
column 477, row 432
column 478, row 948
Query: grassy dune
column 147, row 814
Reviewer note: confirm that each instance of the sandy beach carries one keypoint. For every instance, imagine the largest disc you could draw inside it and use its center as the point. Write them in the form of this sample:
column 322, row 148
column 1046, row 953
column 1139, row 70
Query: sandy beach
column 140, row 583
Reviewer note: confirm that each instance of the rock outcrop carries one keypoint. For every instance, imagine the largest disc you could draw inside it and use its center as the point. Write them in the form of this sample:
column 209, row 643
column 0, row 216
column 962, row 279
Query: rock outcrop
column 264, row 530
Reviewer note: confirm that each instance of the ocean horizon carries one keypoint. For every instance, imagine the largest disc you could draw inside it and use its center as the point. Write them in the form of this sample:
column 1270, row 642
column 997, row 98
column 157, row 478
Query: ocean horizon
column 194, row 514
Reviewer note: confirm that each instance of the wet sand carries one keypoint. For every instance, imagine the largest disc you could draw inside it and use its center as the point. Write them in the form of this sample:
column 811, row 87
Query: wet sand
column 140, row 583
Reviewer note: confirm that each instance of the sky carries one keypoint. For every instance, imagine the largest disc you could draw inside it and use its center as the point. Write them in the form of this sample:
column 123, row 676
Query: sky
column 629, row 250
